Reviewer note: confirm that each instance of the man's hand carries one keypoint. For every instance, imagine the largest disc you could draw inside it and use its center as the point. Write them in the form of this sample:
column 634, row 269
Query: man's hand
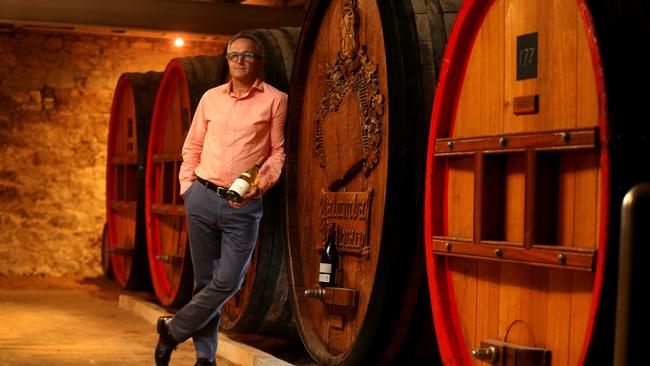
column 254, row 192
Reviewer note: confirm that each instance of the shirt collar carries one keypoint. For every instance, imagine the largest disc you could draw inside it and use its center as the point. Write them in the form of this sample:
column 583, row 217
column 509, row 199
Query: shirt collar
column 258, row 84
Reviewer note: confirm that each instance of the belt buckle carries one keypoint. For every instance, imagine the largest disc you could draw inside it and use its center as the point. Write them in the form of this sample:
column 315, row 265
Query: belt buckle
column 221, row 191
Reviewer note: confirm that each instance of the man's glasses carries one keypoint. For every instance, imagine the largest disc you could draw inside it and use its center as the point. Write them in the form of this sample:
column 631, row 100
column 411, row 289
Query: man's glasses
column 248, row 56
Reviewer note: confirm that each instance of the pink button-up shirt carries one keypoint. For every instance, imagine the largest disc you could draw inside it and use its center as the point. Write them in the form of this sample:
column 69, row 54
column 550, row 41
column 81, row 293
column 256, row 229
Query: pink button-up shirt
column 229, row 134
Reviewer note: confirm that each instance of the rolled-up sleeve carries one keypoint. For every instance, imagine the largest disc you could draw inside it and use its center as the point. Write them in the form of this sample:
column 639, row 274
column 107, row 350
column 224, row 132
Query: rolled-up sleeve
column 272, row 167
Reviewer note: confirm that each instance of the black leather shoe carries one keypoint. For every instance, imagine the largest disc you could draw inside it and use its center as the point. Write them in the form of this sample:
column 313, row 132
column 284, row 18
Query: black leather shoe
column 205, row 362
column 166, row 343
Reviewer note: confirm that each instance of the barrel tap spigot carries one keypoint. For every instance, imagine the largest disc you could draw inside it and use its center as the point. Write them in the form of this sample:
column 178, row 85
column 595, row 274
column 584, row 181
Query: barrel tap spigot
column 315, row 292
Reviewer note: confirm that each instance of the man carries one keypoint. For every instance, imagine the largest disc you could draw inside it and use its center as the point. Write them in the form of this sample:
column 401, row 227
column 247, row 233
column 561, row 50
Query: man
column 234, row 125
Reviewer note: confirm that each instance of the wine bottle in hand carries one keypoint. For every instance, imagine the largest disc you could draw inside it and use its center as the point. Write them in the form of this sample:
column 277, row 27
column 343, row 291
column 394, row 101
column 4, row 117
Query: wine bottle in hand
column 245, row 181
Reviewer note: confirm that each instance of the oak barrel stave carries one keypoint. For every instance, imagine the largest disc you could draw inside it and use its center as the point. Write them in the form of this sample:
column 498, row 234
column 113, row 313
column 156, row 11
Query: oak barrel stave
column 106, row 256
column 131, row 112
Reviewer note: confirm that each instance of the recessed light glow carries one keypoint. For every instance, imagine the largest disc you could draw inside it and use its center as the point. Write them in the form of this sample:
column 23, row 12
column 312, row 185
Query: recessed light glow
column 179, row 42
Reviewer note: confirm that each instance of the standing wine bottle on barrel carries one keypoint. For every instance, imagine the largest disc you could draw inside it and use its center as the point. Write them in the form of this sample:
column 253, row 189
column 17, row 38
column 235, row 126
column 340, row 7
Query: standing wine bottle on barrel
column 329, row 259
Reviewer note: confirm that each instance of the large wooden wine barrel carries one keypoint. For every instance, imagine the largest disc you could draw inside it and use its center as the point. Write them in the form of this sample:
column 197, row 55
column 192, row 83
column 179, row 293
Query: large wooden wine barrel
column 184, row 82
column 363, row 80
column 517, row 201
column 262, row 304
column 128, row 137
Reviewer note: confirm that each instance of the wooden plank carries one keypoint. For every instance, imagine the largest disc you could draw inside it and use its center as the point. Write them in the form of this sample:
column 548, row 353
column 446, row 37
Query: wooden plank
column 587, row 99
column 130, row 142
column 515, row 304
column 539, row 315
column 481, row 97
column 340, row 296
column 159, row 174
column 465, row 282
column 460, row 198
column 529, row 198
column 122, row 251
column 487, row 304
column 170, row 129
column 183, row 111
column 548, row 256
column 123, row 160
column 483, row 177
column 558, row 308
column 556, row 140
column 514, row 203
column 492, row 70
column 165, row 158
column 128, row 206
column 126, row 112
column 587, row 208
column 167, row 209
column 581, row 298
column 522, row 17
column 566, row 199
column 469, row 107
column 559, row 42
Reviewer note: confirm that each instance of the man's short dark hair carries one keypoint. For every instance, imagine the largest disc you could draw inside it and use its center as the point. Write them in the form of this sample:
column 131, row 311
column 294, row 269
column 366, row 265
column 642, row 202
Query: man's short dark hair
column 247, row 35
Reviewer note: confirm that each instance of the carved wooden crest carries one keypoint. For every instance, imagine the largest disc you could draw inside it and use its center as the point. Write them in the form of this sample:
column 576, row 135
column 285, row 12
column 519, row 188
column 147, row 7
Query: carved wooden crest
column 353, row 71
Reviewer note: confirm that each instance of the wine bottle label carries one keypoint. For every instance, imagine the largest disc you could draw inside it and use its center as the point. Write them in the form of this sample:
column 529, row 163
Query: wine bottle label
column 324, row 277
column 240, row 186
column 325, row 268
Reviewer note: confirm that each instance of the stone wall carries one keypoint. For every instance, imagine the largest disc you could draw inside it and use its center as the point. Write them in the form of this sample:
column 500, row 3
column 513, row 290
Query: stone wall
column 55, row 97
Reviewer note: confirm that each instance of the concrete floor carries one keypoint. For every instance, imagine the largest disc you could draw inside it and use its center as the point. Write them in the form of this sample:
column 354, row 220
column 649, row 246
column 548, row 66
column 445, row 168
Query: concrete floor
column 91, row 321
column 73, row 327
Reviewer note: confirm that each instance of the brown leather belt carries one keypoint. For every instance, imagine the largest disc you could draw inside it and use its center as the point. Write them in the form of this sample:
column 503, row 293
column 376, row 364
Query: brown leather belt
column 219, row 190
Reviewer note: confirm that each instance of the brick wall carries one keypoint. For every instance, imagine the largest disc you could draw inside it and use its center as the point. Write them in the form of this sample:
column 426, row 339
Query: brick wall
column 55, row 97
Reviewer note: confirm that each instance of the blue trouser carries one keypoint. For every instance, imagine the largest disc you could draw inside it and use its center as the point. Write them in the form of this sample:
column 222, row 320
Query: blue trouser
column 222, row 239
